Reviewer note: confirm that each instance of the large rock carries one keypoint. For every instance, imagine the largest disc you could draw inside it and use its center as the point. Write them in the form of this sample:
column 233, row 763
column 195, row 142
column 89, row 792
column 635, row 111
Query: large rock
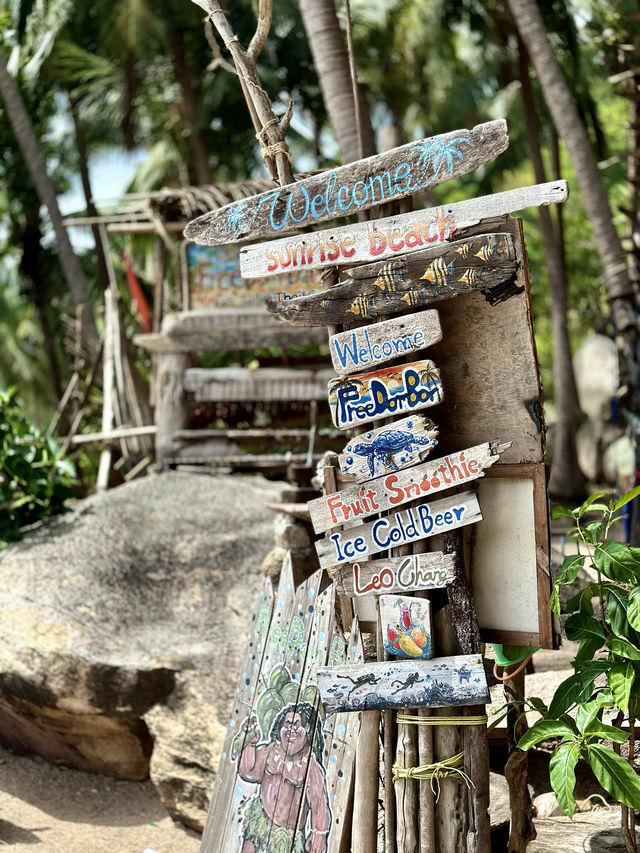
column 121, row 629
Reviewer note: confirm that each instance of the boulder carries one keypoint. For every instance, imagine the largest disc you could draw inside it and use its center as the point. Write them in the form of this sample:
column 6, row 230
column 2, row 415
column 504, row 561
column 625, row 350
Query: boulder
column 122, row 625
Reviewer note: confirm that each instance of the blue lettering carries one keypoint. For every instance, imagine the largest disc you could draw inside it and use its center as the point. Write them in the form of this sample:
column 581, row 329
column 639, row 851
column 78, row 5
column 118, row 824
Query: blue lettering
column 353, row 193
column 340, row 204
column 328, row 192
column 347, row 353
column 425, row 518
column 381, row 526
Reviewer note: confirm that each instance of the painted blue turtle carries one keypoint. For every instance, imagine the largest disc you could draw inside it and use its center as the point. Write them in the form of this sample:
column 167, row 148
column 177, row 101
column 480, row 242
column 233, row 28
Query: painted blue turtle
column 384, row 446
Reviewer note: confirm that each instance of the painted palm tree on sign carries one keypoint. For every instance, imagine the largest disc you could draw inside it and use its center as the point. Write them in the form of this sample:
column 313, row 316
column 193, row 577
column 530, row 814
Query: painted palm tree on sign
column 434, row 152
column 431, row 374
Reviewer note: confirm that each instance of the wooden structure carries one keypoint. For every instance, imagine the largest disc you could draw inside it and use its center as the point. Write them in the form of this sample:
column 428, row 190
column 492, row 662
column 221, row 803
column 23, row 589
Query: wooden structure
column 486, row 533
column 202, row 304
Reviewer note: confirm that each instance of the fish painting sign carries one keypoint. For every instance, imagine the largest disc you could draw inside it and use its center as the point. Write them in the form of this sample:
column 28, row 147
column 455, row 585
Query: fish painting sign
column 412, row 281
column 366, row 397
column 352, row 188
column 438, row 683
column 388, row 448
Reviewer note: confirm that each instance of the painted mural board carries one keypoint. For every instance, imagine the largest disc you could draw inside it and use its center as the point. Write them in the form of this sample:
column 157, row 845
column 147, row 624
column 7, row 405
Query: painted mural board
column 215, row 281
column 400, row 528
column 392, row 236
column 411, row 281
column 279, row 784
column 394, row 574
column 438, row 683
column 368, row 346
column 346, row 190
column 388, row 448
column 405, row 622
column 365, row 397
column 393, row 490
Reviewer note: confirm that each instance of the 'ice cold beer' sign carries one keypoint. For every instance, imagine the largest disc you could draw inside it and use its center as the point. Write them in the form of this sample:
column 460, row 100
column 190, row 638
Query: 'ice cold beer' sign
column 401, row 528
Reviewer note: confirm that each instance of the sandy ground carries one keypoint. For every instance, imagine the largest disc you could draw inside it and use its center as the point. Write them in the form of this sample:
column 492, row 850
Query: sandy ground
column 50, row 809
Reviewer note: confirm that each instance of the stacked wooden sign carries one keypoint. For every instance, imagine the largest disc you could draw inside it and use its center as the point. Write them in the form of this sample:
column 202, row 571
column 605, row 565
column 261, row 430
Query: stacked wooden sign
column 384, row 500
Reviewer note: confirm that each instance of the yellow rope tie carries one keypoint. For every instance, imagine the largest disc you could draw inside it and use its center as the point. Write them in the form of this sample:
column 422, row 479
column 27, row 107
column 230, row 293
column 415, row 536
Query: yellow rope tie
column 449, row 768
column 277, row 147
column 412, row 719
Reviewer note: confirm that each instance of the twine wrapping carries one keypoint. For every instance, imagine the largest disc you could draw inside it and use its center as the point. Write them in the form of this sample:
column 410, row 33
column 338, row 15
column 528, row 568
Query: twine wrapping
column 413, row 720
column 449, row 768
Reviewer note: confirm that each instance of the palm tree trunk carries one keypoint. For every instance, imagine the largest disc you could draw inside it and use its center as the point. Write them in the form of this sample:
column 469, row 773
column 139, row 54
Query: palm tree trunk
column 570, row 128
column 27, row 141
column 190, row 107
column 83, row 168
column 332, row 66
column 566, row 480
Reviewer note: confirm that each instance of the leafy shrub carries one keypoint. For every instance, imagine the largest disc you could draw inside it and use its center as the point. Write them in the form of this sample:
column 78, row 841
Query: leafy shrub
column 604, row 617
column 35, row 479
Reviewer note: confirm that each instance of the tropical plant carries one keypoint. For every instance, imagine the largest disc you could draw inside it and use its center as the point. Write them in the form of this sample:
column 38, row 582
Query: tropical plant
column 35, row 479
column 604, row 617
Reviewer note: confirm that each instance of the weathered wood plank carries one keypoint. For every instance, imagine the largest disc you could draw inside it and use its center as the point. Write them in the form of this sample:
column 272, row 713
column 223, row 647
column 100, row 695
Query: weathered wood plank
column 365, row 397
column 399, row 445
column 392, row 287
column 349, row 189
column 406, row 626
column 439, row 683
column 268, row 383
column 395, row 235
column 394, row 574
column 368, row 346
column 395, row 489
column 409, row 525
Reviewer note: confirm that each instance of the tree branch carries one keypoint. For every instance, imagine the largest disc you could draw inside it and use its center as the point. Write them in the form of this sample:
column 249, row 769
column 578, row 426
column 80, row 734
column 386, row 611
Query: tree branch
column 265, row 14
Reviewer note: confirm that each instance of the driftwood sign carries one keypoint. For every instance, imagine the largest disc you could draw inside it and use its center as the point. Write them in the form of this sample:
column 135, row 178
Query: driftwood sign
column 280, row 748
column 349, row 189
column 400, row 528
column 405, row 622
column 368, row 346
column 393, row 490
column 393, row 236
column 388, row 448
column 438, row 683
column 366, row 397
column 392, row 287
column 394, row 574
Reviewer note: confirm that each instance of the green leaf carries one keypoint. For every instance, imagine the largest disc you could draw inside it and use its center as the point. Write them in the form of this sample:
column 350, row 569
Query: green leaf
column 582, row 600
column 563, row 777
column 589, row 501
column 588, row 711
column 617, row 603
column 592, row 532
column 633, row 610
column 544, row 730
column 620, row 679
column 627, row 497
column 605, row 732
column 614, row 774
column 587, row 648
column 580, row 626
column 559, row 511
column 623, row 648
column 569, row 569
column 576, row 688
column 617, row 562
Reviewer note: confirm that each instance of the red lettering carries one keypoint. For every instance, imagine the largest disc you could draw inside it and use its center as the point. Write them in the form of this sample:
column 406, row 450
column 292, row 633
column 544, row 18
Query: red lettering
column 344, row 243
column 274, row 261
column 442, row 226
column 399, row 246
column 377, row 242
column 334, row 250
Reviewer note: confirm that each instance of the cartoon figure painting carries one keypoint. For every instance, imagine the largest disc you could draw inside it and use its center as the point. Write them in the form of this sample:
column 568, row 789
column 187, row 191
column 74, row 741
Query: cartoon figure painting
column 280, row 750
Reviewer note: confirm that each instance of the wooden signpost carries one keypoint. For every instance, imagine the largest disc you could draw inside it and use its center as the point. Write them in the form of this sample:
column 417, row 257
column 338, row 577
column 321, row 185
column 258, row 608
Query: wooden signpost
column 410, row 281
column 388, row 448
column 395, row 489
column 409, row 525
column 366, row 397
column 394, row 574
column 481, row 339
column 368, row 346
column 405, row 623
column 439, row 683
column 395, row 235
column 349, row 189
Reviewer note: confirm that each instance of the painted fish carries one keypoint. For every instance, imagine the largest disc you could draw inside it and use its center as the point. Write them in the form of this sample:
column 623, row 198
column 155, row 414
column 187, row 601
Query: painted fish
column 487, row 252
column 390, row 276
column 438, row 272
column 414, row 297
column 359, row 306
column 463, row 251
column 469, row 276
